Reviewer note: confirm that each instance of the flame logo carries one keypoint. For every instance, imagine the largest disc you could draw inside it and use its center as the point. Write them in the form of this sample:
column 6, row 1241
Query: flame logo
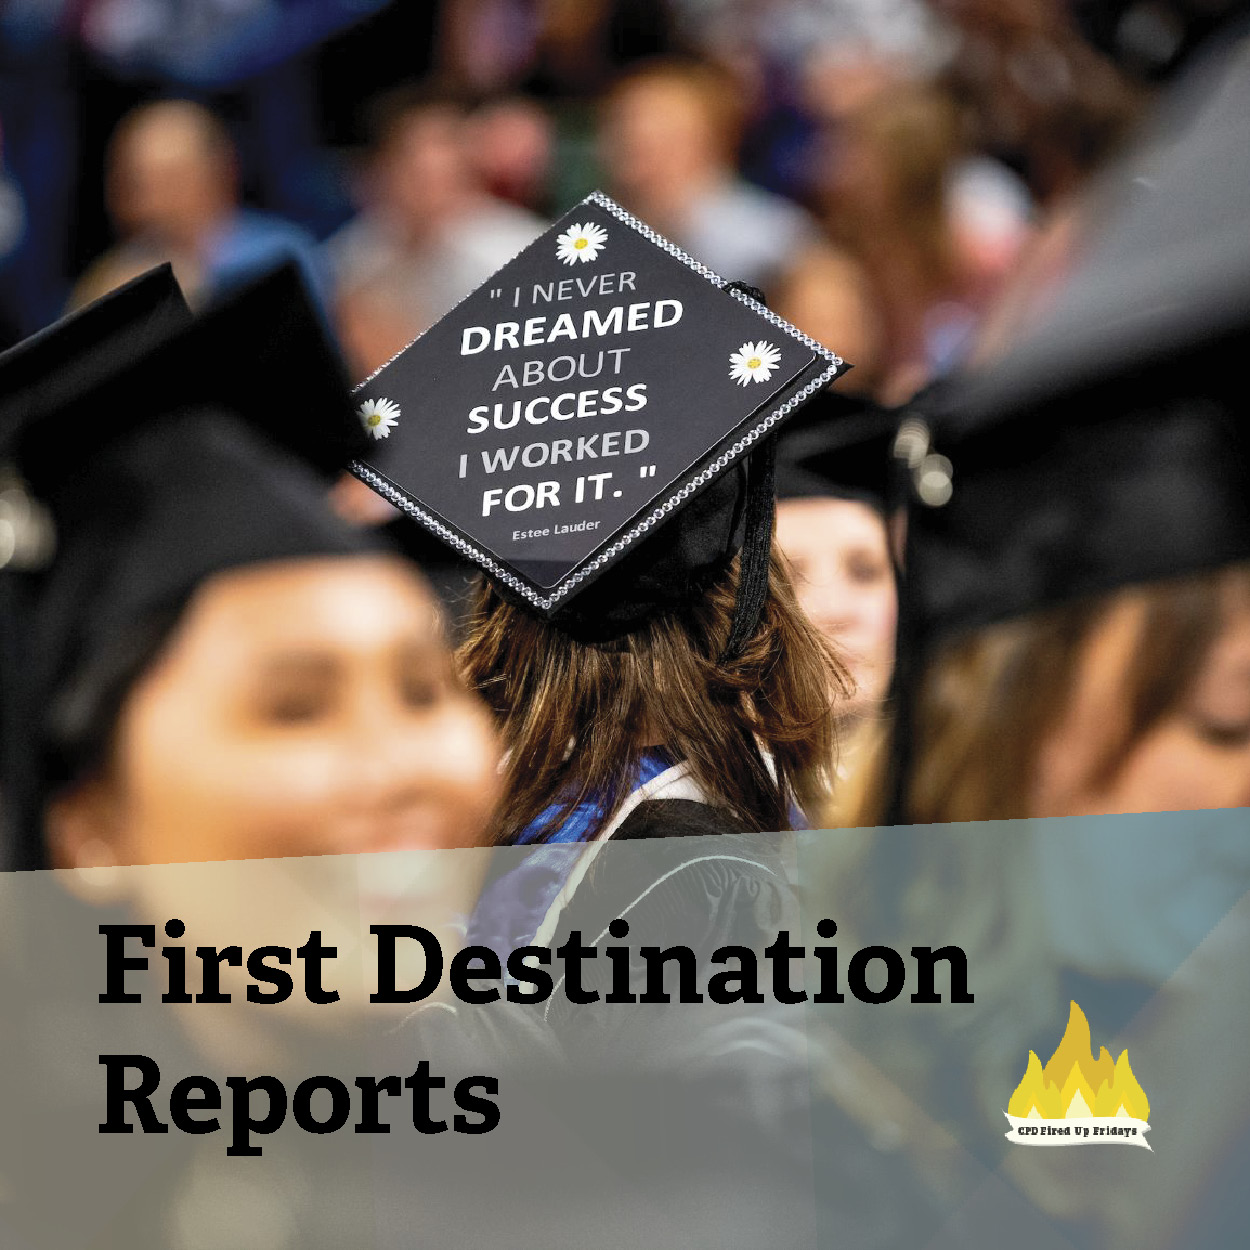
column 1095, row 1099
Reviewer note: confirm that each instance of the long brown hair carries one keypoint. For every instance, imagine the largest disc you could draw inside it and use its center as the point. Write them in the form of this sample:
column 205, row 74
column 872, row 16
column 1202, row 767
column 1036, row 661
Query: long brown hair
column 988, row 700
column 757, row 733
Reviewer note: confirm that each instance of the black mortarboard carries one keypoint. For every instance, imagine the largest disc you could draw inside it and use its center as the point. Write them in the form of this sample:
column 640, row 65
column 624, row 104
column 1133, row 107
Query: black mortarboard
column 838, row 447
column 579, row 426
column 208, row 450
column 121, row 324
column 453, row 578
column 1111, row 445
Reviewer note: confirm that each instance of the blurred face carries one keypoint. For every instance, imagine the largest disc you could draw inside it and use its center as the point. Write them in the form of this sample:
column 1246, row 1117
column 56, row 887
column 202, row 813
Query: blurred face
column 424, row 173
column 511, row 146
column 845, row 583
column 301, row 708
column 1196, row 755
column 166, row 179
column 657, row 139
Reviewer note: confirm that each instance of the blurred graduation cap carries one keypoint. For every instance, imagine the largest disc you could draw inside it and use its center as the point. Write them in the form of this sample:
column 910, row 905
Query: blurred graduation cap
column 123, row 323
column 206, row 447
column 839, row 447
column 1111, row 445
column 452, row 577
column 580, row 425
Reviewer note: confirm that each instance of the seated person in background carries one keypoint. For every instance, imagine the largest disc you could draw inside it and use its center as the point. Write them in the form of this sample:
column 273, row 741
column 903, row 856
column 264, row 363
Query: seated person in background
column 428, row 232
column 668, row 139
column 173, row 192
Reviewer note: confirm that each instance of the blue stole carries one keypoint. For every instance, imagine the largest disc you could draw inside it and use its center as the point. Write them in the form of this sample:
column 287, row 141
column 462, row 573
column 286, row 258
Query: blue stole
column 512, row 907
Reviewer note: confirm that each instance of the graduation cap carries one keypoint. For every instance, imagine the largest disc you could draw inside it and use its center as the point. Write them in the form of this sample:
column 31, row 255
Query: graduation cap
column 839, row 447
column 579, row 425
column 208, row 449
column 453, row 578
column 1111, row 446
column 122, row 323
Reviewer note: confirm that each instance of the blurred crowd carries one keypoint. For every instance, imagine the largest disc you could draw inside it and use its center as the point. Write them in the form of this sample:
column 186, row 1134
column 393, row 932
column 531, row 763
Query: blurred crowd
column 880, row 169
column 897, row 177
column 908, row 182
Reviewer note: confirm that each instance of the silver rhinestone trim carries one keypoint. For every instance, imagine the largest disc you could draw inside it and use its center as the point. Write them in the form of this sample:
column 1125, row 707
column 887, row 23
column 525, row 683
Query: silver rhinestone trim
column 834, row 365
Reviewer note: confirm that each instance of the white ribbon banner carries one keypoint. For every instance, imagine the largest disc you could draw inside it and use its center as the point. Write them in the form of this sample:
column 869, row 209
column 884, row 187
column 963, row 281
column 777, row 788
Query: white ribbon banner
column 1092, row 1130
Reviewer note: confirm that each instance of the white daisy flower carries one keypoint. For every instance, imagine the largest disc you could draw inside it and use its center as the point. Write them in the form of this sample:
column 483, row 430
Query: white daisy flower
column 753, row 362
column 582, row 243
column 379, row 416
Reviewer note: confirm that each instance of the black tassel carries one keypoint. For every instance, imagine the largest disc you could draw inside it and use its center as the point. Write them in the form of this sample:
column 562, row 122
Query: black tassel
column 757, row 548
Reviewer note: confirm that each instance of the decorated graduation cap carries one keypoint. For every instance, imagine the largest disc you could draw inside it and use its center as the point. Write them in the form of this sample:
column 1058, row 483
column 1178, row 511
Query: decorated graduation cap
column 1111, row 446
column 207, row 449
column 838, row 447
column 579, row 426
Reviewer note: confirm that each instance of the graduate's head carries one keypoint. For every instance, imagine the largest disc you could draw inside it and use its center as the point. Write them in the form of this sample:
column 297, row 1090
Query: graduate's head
column 833, row 529
column 595, row 428
column 302, row 706
column 667, row 127
column 1138, row 700
column 421, row 164
column 1076, row 611
column 575, row 714
column 172, row 172
column 213, row 665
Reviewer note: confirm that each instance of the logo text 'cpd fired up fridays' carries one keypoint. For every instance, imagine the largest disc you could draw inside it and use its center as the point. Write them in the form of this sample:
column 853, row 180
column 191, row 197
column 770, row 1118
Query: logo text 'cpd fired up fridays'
column 1076, row 1098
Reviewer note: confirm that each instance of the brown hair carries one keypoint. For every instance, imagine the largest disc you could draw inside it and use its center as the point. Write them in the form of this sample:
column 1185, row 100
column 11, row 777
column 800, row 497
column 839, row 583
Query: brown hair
column 988, row 700
column 575, row 717
column 711, row 86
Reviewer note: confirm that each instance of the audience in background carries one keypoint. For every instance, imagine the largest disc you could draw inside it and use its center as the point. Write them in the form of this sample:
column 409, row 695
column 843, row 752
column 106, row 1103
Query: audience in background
column 668, row 136
column 512, row 141
column 173, row 192
column 428, row 232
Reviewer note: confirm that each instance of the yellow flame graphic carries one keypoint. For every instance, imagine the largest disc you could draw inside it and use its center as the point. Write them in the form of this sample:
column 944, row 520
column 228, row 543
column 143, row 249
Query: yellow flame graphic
column 1074, row 1084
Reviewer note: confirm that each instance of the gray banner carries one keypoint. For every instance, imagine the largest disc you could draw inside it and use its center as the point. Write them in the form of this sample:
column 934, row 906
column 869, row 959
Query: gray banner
column 870, row 1001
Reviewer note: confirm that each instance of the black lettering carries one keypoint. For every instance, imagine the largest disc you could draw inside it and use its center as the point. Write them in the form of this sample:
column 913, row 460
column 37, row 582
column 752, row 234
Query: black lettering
column 312, row 953
column 241, row 1111
column 421, row 1083
column 387, row 934
column 926, row 958
column 116, row 965
column 895, row 974
column 370, row 1087
column 466, row 1101
column 573, row 952
column 340, row 1104
column 782, row 953
column 182, row 1103
column 687, row 974
column 463, row 971
column 211, row 960
column 176, row 958
column 258, row 970
column 746, row 977
column 522, row 973
column 118, row 1095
